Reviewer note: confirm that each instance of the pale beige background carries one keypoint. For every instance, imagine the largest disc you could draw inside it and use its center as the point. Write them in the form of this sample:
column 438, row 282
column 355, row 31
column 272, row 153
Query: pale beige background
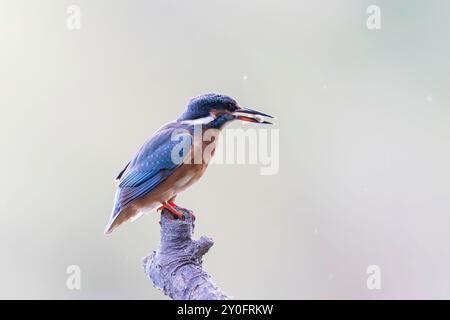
column 364, row 119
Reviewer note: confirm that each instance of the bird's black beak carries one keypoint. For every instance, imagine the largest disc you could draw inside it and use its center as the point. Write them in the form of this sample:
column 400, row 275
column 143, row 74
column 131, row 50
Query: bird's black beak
column 250, row 115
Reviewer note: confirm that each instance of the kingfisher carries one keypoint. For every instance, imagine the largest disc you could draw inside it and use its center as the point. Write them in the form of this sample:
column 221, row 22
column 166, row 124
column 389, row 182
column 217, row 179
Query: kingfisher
column 167, row 165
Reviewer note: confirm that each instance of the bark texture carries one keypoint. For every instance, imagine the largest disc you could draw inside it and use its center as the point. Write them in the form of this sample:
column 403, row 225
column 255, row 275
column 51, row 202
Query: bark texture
column 176, row 266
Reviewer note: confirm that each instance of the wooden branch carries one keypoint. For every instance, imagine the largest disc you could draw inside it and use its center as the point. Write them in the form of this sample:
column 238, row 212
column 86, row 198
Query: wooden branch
column 176, row 267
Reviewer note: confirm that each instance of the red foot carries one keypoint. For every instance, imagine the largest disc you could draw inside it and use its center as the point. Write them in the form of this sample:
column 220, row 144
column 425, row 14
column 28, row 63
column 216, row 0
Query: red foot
column 171, row 207
column 171, row 203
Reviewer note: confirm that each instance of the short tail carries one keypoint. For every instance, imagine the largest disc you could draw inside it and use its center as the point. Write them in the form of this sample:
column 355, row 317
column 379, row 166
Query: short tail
column 114, row 214
column 121, row 214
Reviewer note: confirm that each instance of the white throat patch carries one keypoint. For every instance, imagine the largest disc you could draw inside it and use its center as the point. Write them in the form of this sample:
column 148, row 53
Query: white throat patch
column 198, row 121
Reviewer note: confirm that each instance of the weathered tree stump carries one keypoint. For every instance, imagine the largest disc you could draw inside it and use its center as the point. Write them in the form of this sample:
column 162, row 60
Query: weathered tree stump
column 176, row 266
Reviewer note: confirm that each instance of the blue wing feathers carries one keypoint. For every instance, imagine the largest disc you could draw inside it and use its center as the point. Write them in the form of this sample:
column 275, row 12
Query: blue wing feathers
column 128, row 194
column 150, row 166
column 122, row 172
column 135, row 178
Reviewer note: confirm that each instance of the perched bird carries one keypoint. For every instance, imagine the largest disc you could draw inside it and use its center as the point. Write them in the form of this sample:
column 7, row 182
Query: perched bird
column 165, row 165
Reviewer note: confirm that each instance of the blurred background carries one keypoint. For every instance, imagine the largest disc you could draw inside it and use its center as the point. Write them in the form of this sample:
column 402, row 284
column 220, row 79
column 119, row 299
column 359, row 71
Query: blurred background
column 364, row 124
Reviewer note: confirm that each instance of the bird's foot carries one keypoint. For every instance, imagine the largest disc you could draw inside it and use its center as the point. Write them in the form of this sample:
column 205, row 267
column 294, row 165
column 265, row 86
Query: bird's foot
column 173, row 208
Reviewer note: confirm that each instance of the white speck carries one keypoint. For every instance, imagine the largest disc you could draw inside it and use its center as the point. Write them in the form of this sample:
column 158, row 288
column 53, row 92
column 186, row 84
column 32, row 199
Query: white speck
column 325, row 86
column 244, row 78
column 316, row 231
column 330, row 277
column 430, row 98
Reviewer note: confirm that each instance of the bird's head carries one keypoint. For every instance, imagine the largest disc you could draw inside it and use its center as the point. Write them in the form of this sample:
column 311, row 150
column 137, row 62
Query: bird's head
column 208, row 107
